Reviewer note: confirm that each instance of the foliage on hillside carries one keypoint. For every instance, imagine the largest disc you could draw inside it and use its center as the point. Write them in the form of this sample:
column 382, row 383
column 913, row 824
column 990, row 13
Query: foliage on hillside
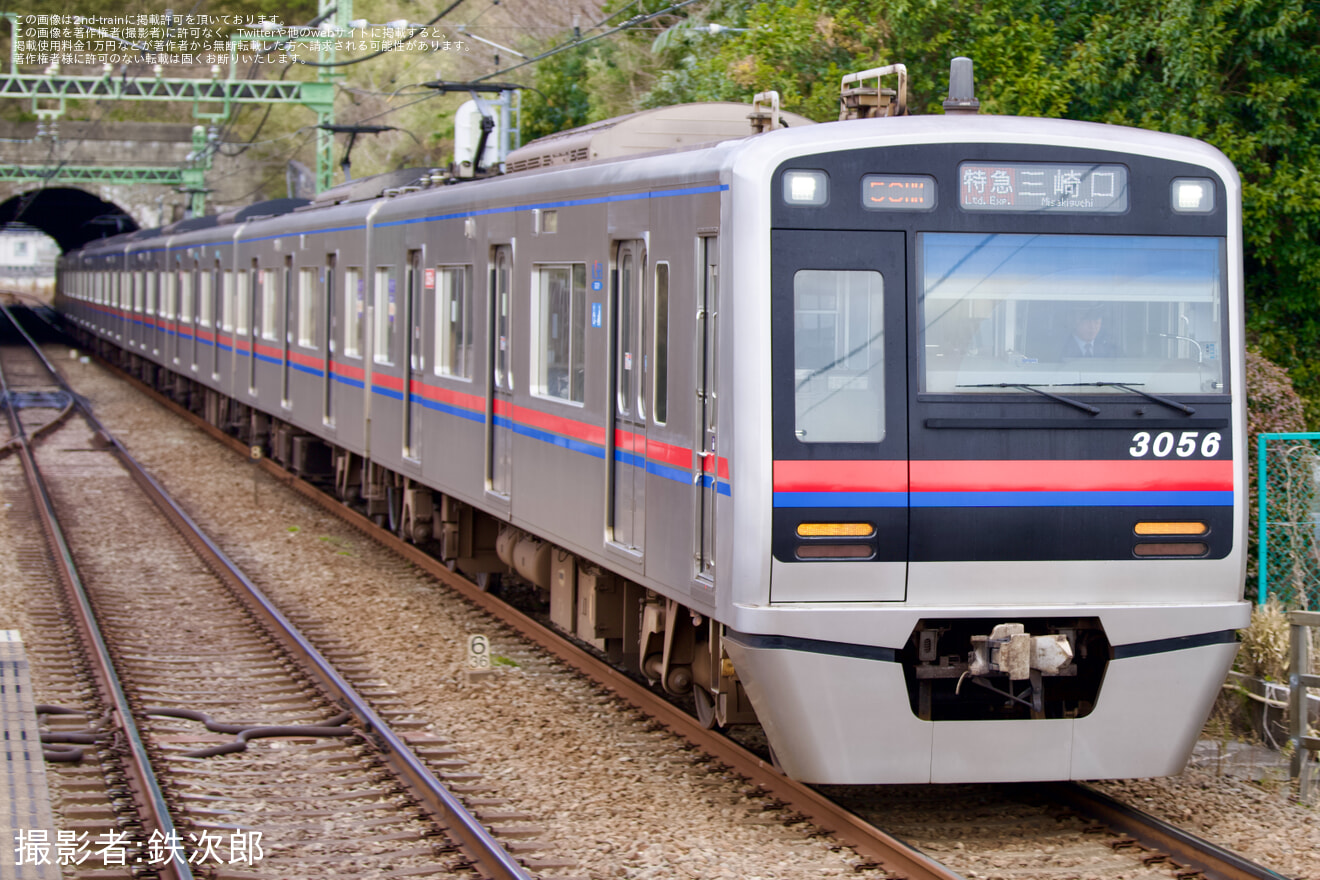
column 1272, row 403
column 1240, row 74
column 1273, row 406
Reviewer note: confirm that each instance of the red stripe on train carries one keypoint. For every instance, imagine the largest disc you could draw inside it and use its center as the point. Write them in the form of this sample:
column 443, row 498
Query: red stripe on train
column 1072, row 476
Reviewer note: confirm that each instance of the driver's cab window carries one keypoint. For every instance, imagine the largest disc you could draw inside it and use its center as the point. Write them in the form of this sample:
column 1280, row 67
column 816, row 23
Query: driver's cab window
column 1078, row 312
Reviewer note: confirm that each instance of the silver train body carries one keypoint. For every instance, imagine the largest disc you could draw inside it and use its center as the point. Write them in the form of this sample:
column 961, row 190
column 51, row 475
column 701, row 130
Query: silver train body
column 789, row 422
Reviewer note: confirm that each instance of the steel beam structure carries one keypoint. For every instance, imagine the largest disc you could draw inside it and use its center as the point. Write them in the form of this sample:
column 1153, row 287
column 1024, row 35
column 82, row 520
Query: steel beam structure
column 213, row 99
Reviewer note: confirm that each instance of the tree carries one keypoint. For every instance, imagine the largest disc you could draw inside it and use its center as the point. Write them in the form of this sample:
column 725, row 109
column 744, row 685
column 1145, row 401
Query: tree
column 560, row 101
column 1242, row 75
column 1273, row 406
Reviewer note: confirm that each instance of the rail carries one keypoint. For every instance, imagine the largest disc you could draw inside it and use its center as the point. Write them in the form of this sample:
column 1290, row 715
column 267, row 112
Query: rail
column 1186, row 853
column 142, row 779
column 885, row 850
column 488, row 855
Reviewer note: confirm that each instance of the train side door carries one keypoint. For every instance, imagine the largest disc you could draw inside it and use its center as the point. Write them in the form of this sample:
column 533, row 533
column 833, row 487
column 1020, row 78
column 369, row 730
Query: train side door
column 413, row 355
column 631, row 329
column 707, row 473
column 499, row 403
column 328, row 340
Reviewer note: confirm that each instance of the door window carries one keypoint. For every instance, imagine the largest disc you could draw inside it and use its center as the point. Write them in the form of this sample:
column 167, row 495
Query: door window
column 838, row 356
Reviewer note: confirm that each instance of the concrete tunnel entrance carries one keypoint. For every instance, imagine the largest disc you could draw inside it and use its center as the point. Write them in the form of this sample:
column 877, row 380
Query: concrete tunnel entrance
column 71, row 216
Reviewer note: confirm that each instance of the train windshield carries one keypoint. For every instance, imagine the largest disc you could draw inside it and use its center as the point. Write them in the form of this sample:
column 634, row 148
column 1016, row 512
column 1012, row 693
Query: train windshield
column 1080, row 313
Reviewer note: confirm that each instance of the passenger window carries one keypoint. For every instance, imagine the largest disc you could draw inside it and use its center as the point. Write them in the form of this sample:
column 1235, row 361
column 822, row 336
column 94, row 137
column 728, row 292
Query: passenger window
column 307, row 284
column 561, row 310
column 228, row 298
column 627, row 341
column 453, row 322
column 838, row 356
column 242, row 302
column 384, row 297
column 186, row 295
column 660, row 374
column 167, row 295
column 354, row 312
column 206, row 298
column 270, row 301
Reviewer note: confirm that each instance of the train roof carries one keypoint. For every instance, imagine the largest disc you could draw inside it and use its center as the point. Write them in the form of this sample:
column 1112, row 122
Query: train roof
column 268, row 208
column 373, row 187
column 726, row 145
column 648, row 131
column 204, row 222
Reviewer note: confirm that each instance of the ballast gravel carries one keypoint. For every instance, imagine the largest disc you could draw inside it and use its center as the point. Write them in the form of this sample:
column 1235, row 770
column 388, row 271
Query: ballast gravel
column 610, row 797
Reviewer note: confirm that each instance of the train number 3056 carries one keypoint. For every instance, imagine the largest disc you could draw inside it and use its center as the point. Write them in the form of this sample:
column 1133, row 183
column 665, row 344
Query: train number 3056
column 1183, row 445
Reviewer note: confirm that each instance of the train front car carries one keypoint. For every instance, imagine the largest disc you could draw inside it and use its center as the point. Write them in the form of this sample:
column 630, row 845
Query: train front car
column 999, row 480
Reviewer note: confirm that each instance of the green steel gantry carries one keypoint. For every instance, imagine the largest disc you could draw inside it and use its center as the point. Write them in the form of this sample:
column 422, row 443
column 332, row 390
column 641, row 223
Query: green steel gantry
column 213, row 100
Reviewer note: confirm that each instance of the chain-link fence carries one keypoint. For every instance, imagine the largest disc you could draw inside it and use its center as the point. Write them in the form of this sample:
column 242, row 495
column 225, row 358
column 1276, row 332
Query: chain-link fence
column 1288, row 519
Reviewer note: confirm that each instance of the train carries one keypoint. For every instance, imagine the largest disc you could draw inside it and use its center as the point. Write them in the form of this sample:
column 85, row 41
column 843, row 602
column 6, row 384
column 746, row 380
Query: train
column 916, row 439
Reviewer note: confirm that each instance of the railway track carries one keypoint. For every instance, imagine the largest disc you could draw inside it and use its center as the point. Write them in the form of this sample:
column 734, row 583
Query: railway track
column 220, row 736
column 1027, row 831
column 1135, row 841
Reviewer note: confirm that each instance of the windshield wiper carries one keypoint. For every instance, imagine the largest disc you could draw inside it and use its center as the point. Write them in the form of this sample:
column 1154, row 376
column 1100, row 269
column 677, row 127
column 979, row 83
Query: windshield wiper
column 1084, row 407
column 1146, row 394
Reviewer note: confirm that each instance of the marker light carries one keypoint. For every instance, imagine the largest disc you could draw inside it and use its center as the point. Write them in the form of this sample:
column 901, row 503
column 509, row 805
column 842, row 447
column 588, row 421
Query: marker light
column 1193, row 195
column 806, row 187
column 835, row 530
column 1195, row 548
column 835, row 551
column 1171, row 528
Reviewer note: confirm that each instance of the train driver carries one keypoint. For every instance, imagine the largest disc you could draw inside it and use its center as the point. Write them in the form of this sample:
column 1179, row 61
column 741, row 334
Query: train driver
column 1085, row 339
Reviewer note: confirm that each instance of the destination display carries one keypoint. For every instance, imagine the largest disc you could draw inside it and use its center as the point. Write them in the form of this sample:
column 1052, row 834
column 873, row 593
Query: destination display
column 898, row 192
column 1043, row 187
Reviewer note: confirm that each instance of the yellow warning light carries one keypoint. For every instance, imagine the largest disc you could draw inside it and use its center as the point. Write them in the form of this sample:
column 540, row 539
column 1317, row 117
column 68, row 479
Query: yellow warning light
column 1171, row 528
column 835, row 530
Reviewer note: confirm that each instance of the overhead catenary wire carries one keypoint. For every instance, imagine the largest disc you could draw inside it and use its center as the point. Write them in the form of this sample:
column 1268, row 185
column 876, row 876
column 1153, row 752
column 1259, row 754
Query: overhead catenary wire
column 633, row 22
column 217, row 142
column 630, row 23
column 412, row 36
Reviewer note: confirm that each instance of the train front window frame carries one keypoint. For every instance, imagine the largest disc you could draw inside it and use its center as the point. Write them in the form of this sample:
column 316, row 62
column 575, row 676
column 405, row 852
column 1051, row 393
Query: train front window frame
column 1011, row 313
